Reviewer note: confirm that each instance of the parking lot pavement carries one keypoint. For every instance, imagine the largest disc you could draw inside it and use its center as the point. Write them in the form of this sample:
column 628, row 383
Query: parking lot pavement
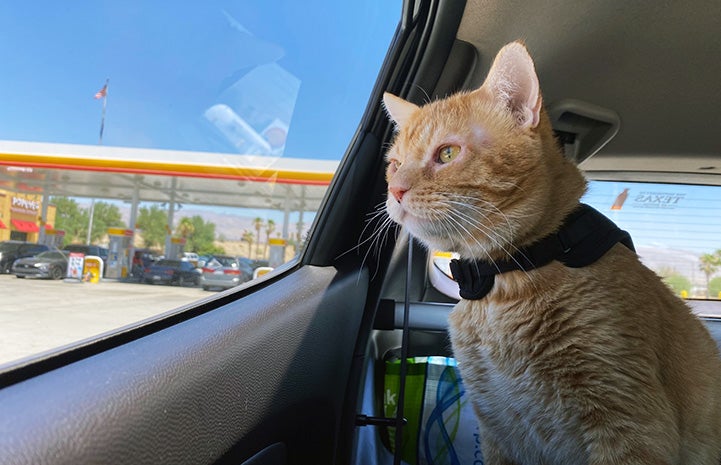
column 38, row 315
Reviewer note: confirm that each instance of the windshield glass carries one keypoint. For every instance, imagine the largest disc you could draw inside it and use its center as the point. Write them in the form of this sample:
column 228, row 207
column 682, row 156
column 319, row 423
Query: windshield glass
column 52, row 255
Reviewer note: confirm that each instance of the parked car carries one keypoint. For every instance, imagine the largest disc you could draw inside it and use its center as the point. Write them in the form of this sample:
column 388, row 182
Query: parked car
column 259, row 264
column 96, row 250
column 168, row 271
column 52, row 264
column 142, row 259
column 12, row 250
column 224, row 272
column 191, row 257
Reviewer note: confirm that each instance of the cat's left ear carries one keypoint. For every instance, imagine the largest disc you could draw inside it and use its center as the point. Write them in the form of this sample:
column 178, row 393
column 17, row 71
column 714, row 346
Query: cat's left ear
column 513, row 81
column 398, row 109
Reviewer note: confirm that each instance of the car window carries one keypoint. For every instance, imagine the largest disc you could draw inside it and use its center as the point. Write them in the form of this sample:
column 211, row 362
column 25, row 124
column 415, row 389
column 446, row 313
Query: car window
column 52, row 255
column 676, row 230
column 226, row 261
column 206, row 128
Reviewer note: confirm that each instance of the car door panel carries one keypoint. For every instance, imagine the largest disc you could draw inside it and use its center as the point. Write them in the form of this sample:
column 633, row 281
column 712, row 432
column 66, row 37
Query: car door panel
column 261, row 368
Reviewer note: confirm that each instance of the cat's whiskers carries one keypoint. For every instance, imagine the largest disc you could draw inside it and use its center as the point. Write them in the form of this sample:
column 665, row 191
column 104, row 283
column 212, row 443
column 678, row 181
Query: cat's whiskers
column 494, row 207
column 497, row 240
column 459, row 229
column 503, row 238
column 459, row 218
column 428, row 97
column 381, row 224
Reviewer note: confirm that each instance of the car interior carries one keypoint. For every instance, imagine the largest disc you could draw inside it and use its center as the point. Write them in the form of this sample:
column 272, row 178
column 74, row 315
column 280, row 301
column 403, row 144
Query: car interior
column 293, row 367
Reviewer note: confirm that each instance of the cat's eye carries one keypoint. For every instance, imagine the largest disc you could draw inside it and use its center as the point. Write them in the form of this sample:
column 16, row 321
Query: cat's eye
column 447, row 153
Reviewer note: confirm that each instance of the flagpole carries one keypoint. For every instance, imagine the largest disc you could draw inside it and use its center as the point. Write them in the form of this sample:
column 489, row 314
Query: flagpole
column 100, row 142
column 102, row 118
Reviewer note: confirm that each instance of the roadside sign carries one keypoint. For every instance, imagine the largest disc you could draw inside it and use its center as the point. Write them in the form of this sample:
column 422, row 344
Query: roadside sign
column 75, row 265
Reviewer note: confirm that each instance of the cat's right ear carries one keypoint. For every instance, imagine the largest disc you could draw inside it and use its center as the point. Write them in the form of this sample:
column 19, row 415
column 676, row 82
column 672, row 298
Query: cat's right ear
column 512, row 80
column 398, row 109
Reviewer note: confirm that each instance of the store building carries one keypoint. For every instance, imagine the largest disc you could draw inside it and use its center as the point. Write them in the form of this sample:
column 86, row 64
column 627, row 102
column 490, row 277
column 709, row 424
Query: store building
column 21, row 217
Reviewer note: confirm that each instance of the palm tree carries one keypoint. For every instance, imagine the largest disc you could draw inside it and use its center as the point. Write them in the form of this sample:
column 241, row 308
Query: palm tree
column 269, row 228
column 709, row 264
column 185, row 227
column 248, row 237
column 258, row 224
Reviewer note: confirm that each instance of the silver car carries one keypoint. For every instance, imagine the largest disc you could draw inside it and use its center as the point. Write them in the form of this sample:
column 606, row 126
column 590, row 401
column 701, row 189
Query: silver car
column 224, row 272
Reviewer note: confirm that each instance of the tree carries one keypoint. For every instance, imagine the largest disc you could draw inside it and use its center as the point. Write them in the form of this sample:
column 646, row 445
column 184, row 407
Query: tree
column 152, row 222
column 709, row 264
column 248, row 237
column 202, row 238
column 714, row 288
column 185, row 227
column 258, row 224
column 105, row 215
column 678, row 283
column 269, row 228
column 72, row 219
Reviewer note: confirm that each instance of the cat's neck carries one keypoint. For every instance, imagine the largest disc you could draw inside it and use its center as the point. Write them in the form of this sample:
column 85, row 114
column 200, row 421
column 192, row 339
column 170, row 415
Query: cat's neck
column 565, row 187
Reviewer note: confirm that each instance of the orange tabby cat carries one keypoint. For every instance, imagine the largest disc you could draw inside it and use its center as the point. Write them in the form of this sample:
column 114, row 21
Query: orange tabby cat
column 598, row 364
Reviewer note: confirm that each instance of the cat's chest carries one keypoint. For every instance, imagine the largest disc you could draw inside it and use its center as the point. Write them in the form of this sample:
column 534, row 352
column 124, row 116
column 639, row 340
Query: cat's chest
column 504, row 382
column 493, row 355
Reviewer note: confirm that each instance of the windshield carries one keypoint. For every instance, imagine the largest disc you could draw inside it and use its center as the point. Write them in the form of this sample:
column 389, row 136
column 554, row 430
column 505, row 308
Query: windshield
column 52, row 255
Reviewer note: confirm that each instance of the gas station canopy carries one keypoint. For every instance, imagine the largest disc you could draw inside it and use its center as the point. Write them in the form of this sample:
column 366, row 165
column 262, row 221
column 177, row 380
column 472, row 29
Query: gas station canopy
column 149, row 175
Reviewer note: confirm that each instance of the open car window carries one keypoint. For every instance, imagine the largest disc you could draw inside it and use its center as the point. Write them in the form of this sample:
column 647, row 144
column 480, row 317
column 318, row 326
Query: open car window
column 133, row 132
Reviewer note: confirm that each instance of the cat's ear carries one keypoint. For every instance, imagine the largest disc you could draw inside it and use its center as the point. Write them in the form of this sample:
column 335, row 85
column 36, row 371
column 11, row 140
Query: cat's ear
column 512, row 80
column 398, row 109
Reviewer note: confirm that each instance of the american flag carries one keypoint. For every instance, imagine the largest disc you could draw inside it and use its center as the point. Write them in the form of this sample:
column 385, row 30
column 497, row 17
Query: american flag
column 102, row 92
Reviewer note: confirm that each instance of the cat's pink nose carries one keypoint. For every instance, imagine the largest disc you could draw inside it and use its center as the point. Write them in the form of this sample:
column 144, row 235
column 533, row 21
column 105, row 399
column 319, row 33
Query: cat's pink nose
column 397, row 192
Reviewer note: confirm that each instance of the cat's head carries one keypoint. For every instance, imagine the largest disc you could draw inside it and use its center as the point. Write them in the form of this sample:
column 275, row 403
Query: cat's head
column 480, row 173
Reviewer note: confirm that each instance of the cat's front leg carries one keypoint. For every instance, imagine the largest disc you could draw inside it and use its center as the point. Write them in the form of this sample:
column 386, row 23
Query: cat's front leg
column 492, row 454
column 622, row 442
column 639, row 456
column 491, row 451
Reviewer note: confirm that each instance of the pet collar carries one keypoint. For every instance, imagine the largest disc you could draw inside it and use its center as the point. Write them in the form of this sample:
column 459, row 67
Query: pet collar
column 584, row 237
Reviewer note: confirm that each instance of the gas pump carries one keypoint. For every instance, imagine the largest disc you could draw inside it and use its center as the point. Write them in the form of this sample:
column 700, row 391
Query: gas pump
column 118, row 262
column 277, row 252
column 176, row 249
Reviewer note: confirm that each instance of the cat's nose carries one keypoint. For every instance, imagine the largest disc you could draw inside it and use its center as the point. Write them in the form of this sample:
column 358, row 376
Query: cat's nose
column 397, row 192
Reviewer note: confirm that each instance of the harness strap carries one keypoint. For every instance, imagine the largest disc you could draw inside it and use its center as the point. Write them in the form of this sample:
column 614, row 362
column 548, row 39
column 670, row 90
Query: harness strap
column 585, row 236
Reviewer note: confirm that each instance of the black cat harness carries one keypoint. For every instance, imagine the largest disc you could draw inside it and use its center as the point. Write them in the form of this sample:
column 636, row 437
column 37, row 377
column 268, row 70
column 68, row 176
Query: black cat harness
column 585, row 236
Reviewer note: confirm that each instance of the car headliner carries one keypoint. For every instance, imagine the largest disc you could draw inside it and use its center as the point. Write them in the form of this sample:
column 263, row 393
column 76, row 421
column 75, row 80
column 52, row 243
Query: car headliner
column 656, row 64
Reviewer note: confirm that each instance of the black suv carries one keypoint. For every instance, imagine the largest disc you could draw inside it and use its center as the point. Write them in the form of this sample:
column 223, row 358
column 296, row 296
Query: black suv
column 12, row 250
column 96, row 250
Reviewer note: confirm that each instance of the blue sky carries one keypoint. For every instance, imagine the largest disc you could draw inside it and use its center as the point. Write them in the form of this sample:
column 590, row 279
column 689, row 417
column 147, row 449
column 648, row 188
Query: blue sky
column 308, row 65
